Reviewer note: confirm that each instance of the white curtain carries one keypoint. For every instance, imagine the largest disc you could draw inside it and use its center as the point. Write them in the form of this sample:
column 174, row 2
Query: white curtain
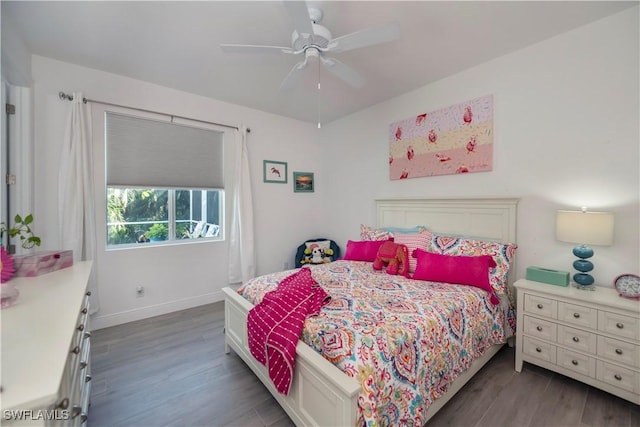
column 242, row 265
column 20, row 162
column 76, row 210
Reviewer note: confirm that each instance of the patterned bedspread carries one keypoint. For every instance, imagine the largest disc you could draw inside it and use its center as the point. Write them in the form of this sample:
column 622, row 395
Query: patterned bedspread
column 403, row 340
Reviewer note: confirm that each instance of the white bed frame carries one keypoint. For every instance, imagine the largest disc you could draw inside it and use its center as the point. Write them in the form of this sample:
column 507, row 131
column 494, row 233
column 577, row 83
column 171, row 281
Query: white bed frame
column 321, row 394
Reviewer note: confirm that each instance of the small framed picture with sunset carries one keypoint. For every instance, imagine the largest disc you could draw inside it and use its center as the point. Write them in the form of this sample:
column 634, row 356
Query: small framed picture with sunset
column 303, row 182
column 274, row 172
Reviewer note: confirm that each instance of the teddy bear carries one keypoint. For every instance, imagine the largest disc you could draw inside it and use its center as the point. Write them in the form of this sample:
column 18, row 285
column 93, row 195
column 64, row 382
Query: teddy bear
column 395, row 256
column 315, row 254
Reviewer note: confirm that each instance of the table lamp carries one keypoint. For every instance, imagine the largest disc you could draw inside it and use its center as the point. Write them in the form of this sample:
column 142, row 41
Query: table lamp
column 585, row 228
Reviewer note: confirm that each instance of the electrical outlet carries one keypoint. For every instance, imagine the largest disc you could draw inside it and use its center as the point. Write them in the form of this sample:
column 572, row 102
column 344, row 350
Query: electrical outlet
column 140, row 291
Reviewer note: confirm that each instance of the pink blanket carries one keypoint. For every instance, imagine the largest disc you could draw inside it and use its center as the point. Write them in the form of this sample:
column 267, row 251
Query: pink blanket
column 275, row 324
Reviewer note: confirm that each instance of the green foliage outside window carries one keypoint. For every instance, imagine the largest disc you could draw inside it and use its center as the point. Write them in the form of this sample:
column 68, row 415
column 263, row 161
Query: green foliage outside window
column 138, row 215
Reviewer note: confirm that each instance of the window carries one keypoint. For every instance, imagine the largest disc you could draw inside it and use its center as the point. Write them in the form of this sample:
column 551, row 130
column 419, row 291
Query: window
column 164, row 181
column 136, row 216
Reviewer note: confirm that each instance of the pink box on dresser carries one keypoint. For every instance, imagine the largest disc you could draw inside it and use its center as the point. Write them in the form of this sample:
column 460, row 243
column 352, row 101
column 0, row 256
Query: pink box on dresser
column 40, row 263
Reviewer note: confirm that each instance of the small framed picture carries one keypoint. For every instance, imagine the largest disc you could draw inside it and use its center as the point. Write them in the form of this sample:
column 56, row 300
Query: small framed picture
column 274, row 172
column 303, row 182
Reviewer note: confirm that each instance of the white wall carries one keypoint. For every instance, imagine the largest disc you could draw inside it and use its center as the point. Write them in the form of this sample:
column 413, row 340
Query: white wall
column 16, row 58
column 175, row 276
column 566, row 134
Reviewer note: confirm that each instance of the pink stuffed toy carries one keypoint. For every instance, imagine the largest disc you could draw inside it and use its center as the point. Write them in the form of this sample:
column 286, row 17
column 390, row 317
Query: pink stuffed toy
column 395, row 256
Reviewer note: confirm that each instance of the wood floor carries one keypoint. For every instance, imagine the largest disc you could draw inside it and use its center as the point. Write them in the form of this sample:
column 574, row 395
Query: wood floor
column 171, row 370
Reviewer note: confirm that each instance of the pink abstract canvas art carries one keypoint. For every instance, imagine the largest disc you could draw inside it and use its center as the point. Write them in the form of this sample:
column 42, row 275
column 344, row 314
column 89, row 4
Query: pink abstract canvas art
column 452, row 140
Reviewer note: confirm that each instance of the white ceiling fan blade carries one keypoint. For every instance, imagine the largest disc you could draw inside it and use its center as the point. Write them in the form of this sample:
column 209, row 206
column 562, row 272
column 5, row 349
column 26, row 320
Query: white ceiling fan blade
column 364, row 38
column 299, row 12
column 294, row 76
column 343, row 72
column 250, row 48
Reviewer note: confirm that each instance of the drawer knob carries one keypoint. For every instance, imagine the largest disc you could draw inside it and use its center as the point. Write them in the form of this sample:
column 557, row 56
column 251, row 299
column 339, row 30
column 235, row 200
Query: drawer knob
column 618, row 377
column 84, row 310
column 539, row 328
column 538, row 349
column 576, row 339
column 575, row 362
column 576, row 315
column 64, row 403
column 76, row 350
column 540, row 306
column 619, row 325
column 75, row 411
column 81, row 328
column 618, row 351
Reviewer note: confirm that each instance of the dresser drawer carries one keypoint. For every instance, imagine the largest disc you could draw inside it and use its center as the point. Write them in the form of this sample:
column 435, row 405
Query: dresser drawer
column 539, row 349
column 619, row 351
column 578, row 315
column 541, row 306
column 619, row 325
column 539, row 328
column 577, row 339
column 623, row 378
column 576, row 362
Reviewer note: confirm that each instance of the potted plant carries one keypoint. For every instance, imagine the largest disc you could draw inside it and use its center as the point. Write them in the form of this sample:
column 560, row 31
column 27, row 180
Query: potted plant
column 21, row 229
column 157, row 232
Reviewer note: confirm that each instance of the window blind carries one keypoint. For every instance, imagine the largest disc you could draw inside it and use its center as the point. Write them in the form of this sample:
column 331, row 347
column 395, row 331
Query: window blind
column 148, row 153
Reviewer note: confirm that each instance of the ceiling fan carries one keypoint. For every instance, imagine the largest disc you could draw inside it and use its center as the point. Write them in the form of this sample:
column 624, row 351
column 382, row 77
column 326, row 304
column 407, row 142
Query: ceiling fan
column 313, row 41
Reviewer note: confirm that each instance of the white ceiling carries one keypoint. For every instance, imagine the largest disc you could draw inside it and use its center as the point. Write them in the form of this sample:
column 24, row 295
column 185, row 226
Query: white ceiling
column 176, row 44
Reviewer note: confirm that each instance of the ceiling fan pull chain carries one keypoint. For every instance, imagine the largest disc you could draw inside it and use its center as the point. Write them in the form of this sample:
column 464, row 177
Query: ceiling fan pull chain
column 319, row 93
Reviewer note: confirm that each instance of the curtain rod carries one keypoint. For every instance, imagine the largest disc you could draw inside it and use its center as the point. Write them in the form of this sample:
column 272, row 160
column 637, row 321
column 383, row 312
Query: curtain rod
column 67, row 97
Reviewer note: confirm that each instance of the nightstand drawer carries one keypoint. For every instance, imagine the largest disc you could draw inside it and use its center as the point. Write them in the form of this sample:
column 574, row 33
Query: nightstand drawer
column 578, row 315
column 577, row 339
column 619, row 351
column 625, row 379
column 539, row 328
column 577, row 362
column 619, row 324
column 541, row 306
column 539, row 349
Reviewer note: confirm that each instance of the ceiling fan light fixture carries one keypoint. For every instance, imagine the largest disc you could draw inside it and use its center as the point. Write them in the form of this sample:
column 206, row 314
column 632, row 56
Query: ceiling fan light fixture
column 321, row 37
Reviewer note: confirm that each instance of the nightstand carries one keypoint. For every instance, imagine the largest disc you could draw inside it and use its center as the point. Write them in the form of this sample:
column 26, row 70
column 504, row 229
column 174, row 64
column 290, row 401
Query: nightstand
column 590, row 336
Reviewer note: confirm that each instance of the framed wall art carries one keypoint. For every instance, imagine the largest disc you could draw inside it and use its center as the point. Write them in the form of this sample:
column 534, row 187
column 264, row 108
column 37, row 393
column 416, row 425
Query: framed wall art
column 453, row 140
column 275, row 172
column 303, row 182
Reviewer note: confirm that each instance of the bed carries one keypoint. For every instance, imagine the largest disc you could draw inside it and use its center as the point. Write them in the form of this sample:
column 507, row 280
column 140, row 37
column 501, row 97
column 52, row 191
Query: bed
column 321, row 393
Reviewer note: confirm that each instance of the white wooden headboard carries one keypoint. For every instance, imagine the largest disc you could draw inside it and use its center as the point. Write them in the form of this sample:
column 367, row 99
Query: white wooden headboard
column 491, row 219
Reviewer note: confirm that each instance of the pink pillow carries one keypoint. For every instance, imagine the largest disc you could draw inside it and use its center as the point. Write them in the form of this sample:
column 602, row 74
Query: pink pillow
column 413, row 242
column 365, row 250
column 457, row 269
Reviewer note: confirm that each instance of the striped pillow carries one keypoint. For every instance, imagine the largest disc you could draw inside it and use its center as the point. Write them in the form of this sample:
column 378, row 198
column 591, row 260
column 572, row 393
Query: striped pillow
column 413, row 242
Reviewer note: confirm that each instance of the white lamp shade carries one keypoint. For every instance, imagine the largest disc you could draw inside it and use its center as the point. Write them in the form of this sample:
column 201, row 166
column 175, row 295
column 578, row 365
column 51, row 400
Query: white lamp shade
column 588, row 228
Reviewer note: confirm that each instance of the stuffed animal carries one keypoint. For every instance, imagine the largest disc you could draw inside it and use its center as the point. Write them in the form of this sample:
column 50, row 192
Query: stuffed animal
column 316, row 254
column 395, row 256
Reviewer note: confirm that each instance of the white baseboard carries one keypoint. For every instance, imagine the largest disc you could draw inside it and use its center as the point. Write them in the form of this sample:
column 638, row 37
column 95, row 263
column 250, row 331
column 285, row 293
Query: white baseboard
column 100, row 322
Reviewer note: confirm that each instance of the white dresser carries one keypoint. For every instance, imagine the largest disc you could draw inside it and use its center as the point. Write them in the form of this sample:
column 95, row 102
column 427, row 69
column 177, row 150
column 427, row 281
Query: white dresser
column 591, row 336
column 46, row 348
